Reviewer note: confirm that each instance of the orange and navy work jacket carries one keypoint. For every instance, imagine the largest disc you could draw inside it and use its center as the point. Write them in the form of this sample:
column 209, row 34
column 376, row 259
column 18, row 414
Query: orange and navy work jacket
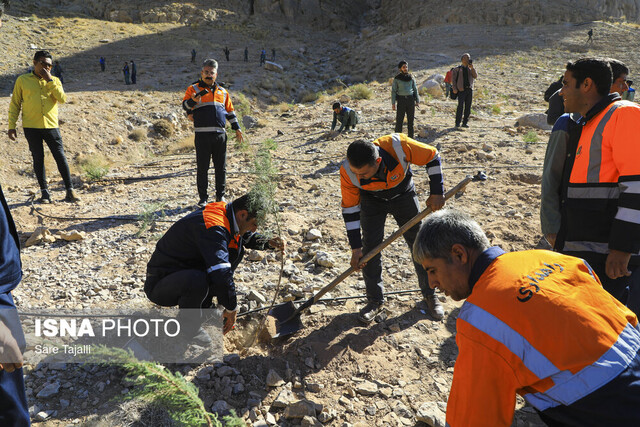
column 214, row 108
column 602, row 208
column 206, row 240
column 539, row 324
column 394, row 177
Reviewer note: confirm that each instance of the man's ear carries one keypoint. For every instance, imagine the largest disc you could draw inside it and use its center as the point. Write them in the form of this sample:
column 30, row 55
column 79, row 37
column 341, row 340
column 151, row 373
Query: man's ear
column 378, row 160
column 242, row 214
column 588, row 84
column 460, row 253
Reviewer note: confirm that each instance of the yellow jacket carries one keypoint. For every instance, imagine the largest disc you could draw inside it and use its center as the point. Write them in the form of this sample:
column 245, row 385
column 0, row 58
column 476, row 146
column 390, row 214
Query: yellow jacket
column 38, row 100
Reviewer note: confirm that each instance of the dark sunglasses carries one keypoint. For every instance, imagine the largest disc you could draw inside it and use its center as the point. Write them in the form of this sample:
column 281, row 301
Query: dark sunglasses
column 46, row 64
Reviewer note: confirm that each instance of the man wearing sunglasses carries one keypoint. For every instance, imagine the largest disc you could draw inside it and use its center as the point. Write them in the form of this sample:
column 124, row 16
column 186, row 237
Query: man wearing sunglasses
column 38, row 94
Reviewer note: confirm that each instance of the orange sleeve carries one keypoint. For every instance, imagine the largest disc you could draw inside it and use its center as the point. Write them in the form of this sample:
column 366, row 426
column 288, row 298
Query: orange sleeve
column 227, row 103
column 350, row 193
column 189, row 93
column 626, row 149
column 484, row 386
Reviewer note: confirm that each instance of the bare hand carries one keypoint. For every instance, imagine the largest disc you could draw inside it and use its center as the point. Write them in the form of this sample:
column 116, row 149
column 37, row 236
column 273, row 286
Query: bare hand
column 190, row 117
column 196, row 97
column 278, row 243
column 239, row 136
column 12, row 134
column 455, row 90
column 417, row 104
column 435, row 202
column 551, row 238
column 228, row 320
column 617, row 264
column 393, row 107
column 356, row 256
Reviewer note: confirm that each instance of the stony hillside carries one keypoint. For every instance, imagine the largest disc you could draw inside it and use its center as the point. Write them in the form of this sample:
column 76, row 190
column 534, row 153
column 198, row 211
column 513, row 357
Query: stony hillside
column 131, row 153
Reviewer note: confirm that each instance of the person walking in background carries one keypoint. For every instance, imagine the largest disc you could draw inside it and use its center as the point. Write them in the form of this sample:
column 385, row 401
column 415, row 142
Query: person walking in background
column 246, row 54
column 37, row 95
column 193, row 55
column 102, row 63
column 226, row 53
column 263, row 56
column 210, row 106
column 273, row 54
column 134, row 72
column 57, row 71
column 463, row 77
column 125, row 71
column 405, row 92
column 590, row 34
column 630, row 94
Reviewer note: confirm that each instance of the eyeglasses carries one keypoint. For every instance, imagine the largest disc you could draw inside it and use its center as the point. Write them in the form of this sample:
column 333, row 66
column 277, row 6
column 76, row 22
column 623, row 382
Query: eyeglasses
column 46, row 64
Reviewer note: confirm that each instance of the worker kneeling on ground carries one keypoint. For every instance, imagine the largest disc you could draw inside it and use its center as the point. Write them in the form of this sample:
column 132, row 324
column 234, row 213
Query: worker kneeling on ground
column 536, row 323
column 195, row 259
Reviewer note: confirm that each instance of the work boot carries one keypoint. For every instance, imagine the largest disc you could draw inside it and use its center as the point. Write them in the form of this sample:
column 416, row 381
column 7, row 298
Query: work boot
column 221, row 199
column 202, row 203
column 464, row 125
column 202, row 337
column 369, row 312
column 45, row 198
column 434, row 308
column 71, row 196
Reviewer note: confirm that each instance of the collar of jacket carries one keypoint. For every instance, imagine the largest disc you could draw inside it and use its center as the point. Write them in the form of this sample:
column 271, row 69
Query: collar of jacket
column 387, row 164
column 484, row 260
column 600, row 105
column 404, row 77
column 232, row 219
column 203, row 85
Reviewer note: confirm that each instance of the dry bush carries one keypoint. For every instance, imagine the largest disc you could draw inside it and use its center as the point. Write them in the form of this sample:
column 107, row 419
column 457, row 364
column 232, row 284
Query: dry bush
column 183, row 146
column 163, row 127
column 138, row 134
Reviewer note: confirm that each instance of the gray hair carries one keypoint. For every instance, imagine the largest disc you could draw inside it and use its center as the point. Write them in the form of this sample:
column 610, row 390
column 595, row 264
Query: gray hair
column 210, row 63
column 443, row 229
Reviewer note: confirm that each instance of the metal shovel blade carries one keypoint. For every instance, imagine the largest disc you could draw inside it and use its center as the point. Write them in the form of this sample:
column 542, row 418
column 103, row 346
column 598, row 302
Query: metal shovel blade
column 287, row 319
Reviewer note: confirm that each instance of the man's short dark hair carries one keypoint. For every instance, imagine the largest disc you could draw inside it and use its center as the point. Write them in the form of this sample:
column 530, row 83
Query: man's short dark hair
column 597, row 69
column 618, row 68
column 401, row 63
column 256, row 203
column 335, row 105
column 42, row 54
column 362, row 153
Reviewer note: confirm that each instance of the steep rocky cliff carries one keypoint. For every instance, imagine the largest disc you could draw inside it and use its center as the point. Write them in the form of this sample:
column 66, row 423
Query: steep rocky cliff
column 351, row 15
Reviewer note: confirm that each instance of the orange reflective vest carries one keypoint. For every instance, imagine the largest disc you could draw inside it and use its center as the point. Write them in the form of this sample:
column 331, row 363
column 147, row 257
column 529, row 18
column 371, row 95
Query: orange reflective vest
column 539, row 324
column 214, row 108
column 602, row 209
column 394, row 177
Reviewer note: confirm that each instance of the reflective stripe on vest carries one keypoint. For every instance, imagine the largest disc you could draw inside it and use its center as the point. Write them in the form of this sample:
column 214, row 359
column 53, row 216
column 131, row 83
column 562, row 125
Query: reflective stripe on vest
column 568, row 387
column 591, row 192
column 397, row 147
column 595, row 149
column 209, row 129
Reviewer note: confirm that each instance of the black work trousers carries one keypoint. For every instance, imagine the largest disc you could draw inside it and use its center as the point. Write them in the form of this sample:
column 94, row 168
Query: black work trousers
column 464, row 102
column 373, row 216
column 54, row 141
column 211, row 145
column 405, row 105
column 184, row 288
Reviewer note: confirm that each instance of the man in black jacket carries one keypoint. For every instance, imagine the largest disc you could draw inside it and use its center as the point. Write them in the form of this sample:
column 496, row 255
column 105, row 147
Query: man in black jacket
column 195, row 259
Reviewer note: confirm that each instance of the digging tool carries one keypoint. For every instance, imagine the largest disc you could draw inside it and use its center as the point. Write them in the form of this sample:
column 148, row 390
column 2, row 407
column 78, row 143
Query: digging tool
column 287, row 317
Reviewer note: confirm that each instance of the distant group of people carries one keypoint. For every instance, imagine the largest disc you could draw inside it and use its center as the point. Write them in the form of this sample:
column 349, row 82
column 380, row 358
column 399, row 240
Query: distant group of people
column 130, row 73
column 227, row 55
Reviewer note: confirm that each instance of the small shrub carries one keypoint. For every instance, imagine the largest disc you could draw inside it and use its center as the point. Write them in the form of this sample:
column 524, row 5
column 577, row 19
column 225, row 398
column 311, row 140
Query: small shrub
column 163, row 127
column 183, row 146
column 309, row 97
column 360, row 91
column 138, row 134
column 530, row 136
column 94, row 166
column 495, row 109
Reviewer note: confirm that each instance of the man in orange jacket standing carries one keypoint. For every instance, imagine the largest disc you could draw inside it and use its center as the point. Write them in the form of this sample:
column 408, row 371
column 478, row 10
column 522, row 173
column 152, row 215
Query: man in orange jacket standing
column 536, row 323
column 210, row 106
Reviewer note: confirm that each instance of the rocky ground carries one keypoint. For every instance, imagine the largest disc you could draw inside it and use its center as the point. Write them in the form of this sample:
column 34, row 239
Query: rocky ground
column 334, row 371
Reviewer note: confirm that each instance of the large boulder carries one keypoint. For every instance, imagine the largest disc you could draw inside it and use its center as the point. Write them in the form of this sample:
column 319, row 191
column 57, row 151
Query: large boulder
column 432, row 87
column 272, row 66
column 534, row 120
